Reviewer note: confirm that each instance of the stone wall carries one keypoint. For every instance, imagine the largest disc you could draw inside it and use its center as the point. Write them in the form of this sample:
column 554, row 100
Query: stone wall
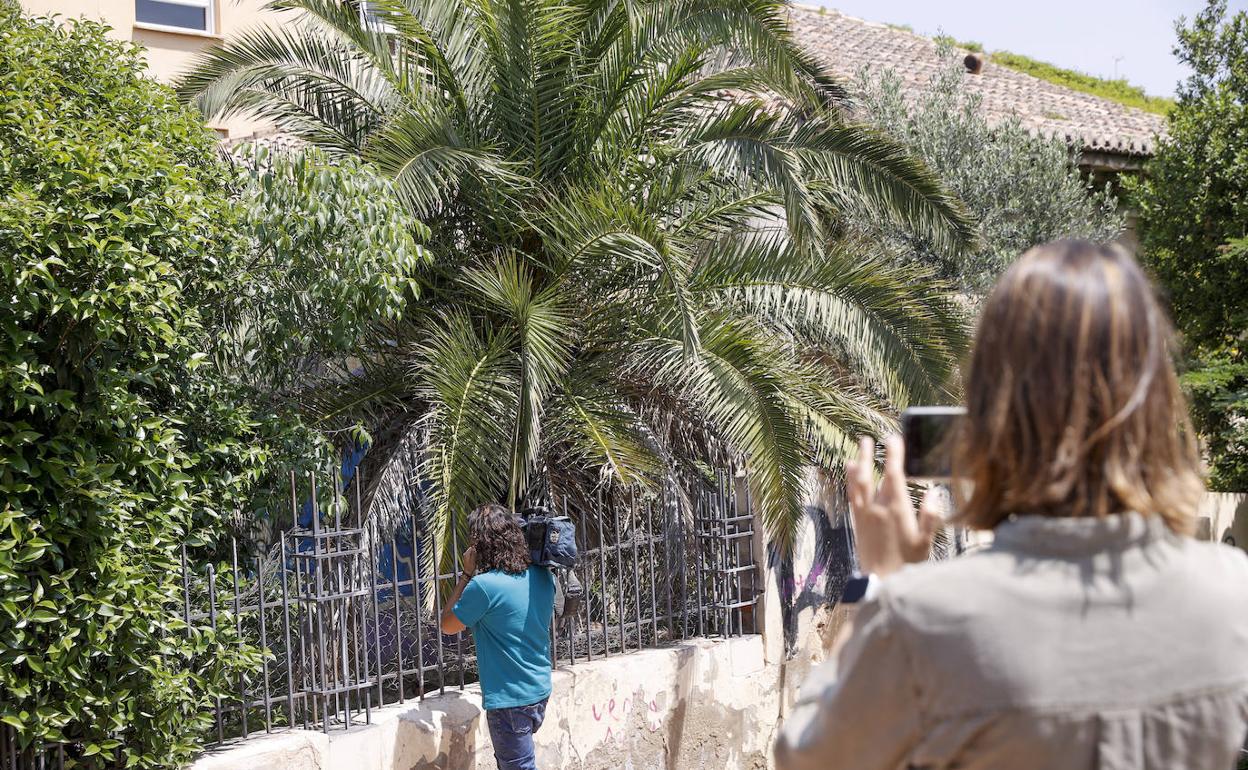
column 702, row 704
column 1224, row 517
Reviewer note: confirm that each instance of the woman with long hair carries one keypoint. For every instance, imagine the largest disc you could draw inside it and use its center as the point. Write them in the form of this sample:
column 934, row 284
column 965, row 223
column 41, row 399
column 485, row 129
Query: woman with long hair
column 1094, row 632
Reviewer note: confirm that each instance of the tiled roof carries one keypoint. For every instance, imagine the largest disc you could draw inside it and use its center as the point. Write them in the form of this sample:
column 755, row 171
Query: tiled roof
column 846, row 45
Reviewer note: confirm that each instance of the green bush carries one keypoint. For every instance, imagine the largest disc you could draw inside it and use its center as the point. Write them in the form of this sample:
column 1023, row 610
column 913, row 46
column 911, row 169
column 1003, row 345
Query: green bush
column 1193, row 205
column 117, row 431
column 333, row 259
column 1217, row 383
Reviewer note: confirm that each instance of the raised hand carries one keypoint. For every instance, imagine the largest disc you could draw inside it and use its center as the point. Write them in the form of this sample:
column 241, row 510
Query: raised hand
column 887, row 532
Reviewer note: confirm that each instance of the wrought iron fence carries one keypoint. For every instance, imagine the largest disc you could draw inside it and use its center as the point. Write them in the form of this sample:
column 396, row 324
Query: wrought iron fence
column 14, row 756
column 349, row 617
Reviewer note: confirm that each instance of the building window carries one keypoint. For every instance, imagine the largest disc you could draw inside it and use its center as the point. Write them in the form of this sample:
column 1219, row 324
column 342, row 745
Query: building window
column 177, row 14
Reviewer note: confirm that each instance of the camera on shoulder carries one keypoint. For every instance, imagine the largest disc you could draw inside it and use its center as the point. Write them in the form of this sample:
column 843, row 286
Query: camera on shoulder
column 551, row 538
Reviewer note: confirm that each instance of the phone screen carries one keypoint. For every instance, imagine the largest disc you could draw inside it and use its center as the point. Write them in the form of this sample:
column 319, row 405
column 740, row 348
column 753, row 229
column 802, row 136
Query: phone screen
column 928, row 432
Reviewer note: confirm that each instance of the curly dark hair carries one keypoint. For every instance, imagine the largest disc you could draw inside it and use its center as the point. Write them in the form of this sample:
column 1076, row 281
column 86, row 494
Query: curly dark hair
column 500, row 542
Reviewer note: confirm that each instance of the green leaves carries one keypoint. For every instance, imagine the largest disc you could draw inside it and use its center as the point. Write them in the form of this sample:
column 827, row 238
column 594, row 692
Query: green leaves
column 896, row 328
column 1193, row 205
column 543, row 328
column 1217, row 385
column 333, row 258
column 119, row 433
column 635, row 211
column 738, row 383
column 1021, row 189
column 470, row 382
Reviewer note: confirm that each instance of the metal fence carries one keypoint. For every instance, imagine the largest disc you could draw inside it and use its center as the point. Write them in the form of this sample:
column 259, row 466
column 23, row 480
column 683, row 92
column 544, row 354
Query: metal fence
column 14, row 756
column 349, row 618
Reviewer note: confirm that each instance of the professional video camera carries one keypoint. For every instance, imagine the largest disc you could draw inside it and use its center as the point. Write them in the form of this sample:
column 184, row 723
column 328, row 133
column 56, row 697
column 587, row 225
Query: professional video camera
column 552, row 538
column 552, row 544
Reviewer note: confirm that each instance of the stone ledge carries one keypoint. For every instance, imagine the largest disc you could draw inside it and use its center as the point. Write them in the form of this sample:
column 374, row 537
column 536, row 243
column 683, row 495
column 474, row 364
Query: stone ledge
column 703, row 703
column 294, row 750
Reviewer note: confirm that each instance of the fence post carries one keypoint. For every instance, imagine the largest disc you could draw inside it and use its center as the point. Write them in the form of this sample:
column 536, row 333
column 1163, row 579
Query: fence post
column 340, row 600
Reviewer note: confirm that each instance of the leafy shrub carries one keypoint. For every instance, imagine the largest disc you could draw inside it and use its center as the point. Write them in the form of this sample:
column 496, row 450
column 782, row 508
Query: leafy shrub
column 1217, row 383
column 333, row 261
column 1023, row 189
column 116, row 427
column 1194, row 220
column 163, row 309
column 330, row 271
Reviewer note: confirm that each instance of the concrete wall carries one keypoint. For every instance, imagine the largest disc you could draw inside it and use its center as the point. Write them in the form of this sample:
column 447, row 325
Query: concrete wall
column 1224, row 517
column 802, row 586
column 702, row 704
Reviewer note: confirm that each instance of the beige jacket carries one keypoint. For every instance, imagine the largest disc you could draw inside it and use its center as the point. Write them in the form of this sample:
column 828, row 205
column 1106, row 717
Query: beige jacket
column 1069, row 644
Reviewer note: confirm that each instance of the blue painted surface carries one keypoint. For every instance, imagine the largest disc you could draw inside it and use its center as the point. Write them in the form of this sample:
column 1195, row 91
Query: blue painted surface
column 406, row 550
column 350, row 464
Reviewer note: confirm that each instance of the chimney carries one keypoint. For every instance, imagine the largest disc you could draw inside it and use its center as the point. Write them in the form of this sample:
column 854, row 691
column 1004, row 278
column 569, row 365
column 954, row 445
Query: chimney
column 974, row 63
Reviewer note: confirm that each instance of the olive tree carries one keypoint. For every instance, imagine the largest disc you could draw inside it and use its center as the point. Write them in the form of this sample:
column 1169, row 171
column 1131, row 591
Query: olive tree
column 1024, row 189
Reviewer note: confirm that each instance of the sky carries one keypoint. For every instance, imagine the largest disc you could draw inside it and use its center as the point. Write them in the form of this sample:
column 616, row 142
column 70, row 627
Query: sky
column 1130, row 38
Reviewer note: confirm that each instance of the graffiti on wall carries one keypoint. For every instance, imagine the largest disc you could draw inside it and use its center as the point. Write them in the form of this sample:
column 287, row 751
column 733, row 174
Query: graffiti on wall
column 614, row 712
column 814, row 572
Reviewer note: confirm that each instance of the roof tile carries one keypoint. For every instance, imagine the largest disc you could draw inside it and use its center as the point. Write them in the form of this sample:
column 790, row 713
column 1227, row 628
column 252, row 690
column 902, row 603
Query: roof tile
column 846, row 45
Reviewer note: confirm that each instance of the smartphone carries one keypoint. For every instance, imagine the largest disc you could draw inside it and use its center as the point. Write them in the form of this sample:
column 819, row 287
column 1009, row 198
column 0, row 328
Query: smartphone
column 928, row 433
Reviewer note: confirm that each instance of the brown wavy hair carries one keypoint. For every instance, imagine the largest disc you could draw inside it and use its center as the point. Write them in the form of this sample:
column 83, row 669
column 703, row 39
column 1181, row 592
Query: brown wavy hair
column 499, row 540
column 1073, row 406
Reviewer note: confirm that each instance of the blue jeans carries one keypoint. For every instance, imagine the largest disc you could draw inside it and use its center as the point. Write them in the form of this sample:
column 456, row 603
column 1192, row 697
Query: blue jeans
column 511, row 731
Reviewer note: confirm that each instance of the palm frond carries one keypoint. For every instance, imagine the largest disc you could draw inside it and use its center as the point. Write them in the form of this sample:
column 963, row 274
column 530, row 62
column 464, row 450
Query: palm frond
column 368, row 397
column 469, row 382
column 543, row 327
column 736, row 381
column 636, row 210
column 439, row 51
column 749, row 145
column 593, row 427
column 859, row 166
column 586, row 230
column 895, row 325
column 309, row 83
column 429, row 163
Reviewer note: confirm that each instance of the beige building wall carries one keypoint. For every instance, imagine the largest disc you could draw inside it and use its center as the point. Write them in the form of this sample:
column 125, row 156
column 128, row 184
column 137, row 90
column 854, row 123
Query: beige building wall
column 169, row 51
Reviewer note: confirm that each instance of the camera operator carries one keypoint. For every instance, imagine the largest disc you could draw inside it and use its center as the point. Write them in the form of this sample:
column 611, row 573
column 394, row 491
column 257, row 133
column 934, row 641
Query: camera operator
column 508, row 604
column 1094, row 632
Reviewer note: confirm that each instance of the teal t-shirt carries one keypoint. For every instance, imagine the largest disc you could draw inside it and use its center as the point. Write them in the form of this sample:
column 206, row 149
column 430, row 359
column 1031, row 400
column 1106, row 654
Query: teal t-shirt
column 510, row 620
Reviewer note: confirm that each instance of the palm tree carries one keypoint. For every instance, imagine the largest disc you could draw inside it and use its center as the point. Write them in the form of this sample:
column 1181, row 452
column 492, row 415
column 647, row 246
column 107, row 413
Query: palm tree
column 641, row 264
